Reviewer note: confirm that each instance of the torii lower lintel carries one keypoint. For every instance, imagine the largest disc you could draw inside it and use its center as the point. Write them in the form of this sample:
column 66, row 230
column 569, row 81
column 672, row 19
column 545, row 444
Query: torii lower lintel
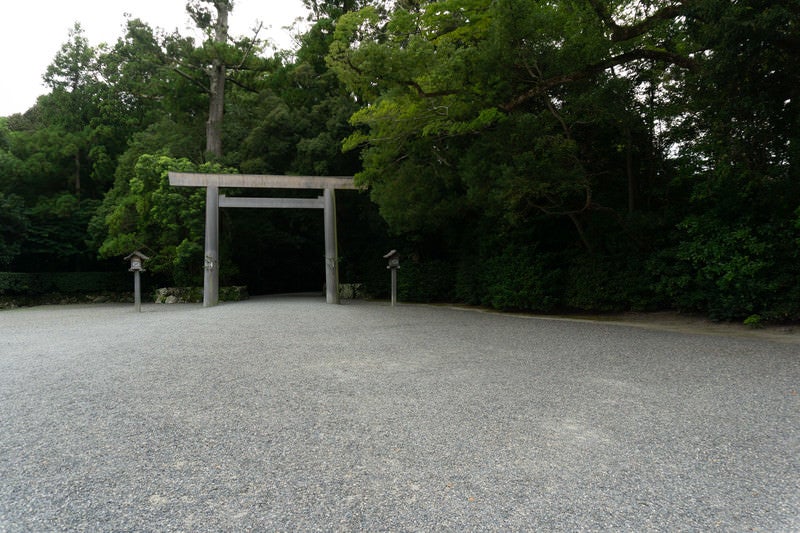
column 212, row 183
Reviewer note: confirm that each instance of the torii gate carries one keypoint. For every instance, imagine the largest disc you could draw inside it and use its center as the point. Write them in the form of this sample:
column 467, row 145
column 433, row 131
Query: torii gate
column 214, row 200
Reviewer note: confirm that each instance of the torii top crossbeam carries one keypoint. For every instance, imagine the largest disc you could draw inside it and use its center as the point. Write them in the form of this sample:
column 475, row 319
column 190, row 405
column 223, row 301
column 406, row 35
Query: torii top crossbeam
column 260, row 181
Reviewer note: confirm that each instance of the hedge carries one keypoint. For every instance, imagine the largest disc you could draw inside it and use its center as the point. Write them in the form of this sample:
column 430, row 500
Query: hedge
column 35, row 283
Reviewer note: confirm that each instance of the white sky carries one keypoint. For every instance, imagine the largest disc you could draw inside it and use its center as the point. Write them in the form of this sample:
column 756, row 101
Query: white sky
column 32, row 32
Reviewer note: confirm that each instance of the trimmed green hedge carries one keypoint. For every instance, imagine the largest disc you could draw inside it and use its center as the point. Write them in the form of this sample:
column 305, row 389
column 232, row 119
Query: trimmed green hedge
column 35, row 283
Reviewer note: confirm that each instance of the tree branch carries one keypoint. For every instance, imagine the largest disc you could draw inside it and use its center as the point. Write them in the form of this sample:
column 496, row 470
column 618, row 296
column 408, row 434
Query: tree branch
column 625, row 33
column 423, row 94
column 252, row 43
column 182, row 74
column 240, row 84
column 595, row 68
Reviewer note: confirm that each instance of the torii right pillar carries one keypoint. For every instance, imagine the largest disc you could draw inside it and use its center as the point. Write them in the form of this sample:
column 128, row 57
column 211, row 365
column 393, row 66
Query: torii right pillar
column 331, row 248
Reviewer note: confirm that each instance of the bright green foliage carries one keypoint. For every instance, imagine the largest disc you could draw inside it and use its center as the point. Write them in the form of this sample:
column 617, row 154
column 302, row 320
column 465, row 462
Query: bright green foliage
column 163, row 221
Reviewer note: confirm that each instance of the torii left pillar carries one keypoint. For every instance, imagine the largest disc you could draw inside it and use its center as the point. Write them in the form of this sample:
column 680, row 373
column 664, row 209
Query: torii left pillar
column 211, row 263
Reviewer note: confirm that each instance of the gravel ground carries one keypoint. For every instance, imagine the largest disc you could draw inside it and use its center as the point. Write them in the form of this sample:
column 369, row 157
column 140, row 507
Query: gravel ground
column 283, row 413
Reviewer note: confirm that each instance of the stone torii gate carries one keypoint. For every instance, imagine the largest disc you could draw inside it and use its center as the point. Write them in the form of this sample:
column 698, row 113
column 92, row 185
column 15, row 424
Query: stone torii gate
column 214, row 200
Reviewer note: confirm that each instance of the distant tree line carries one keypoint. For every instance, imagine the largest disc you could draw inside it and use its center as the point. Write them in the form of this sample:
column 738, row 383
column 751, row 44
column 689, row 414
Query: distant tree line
column 596, row 155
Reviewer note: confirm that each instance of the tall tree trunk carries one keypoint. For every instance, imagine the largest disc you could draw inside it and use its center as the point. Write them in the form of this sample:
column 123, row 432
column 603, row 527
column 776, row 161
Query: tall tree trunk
column 216, row 107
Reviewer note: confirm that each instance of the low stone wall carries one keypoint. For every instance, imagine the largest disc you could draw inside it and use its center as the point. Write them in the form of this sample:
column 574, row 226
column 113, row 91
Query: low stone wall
column 167, row 295
column 352, row 291
column 182, row 295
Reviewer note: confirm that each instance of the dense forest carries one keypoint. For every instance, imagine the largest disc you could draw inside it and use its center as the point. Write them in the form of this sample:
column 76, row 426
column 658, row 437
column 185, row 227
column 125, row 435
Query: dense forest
column 551, row 156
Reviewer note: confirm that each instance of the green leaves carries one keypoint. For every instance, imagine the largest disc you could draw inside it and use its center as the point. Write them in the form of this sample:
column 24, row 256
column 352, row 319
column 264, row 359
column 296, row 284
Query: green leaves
column 151, row 215
column 730, row 269
column 13, row 228
column 74, row 64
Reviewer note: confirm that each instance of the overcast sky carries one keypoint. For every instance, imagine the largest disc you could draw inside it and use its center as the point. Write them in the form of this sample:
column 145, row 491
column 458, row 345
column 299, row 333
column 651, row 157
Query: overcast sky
column 32, row 32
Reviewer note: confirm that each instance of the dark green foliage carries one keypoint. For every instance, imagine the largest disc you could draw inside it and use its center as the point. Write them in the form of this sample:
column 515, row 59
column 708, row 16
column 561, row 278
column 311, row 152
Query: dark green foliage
column 37, row 283
column 608, row 283
column 429, row 281
column 731, row 270
column 520, row 279
column 664, row 140
column 363, row 240
column 13, row 227
column 276, row 250
column 734, row 254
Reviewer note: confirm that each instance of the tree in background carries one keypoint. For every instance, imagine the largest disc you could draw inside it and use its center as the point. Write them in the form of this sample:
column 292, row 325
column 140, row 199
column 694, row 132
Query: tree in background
column 735, row 253
column 58, row 159
column 294, row 124
column 217, row 27
column 13, row 228
column 572, row 154
column 520, row 117
column 519, row 114
column 285, row 114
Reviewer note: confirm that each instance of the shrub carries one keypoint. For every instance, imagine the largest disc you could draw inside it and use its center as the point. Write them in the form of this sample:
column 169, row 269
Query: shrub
column 731, row 271
column 429, row 281
column 604, row 284
column 520, row 279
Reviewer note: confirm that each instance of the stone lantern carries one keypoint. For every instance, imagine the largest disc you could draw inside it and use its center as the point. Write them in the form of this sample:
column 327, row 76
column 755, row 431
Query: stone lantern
column 137, row 259
column 394, row 265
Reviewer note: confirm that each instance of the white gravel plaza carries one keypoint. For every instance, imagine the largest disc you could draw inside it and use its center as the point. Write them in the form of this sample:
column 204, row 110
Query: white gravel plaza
column 286, row 414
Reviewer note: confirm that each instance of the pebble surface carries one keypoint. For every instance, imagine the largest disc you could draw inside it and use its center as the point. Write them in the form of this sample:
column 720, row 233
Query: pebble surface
column 283, row 413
